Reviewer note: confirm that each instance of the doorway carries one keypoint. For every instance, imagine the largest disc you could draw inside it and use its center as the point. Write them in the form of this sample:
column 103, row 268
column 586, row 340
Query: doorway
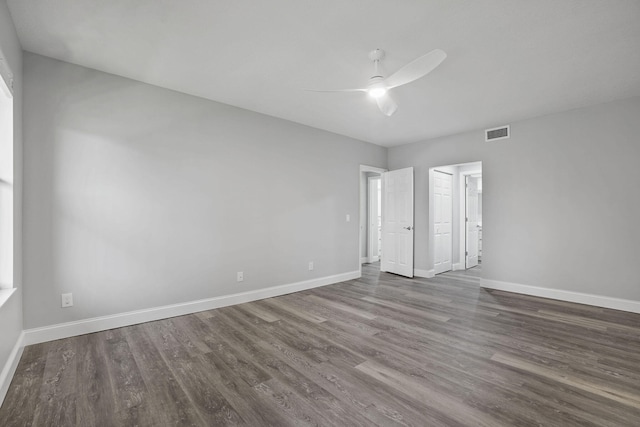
column 455, row 217
column 374, row 218
column 473, row 226
column 370, row 208
column 386, row 219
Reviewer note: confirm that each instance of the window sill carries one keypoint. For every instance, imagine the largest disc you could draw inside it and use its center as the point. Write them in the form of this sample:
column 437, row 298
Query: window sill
column 5, row 294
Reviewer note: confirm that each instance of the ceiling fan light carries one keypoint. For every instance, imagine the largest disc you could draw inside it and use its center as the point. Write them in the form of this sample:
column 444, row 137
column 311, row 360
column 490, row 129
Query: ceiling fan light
column 377, row 92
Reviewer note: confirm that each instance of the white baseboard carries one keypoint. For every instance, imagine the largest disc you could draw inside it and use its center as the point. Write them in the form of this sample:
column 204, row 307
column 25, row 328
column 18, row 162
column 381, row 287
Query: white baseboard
column 364, row 260
column 428, row 274
column 558, row 294
column 10, row 367
column 457, row 266
column 96, row 324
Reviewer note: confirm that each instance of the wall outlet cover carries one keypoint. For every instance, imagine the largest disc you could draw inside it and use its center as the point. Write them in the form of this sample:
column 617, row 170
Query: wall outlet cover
column 67, row 300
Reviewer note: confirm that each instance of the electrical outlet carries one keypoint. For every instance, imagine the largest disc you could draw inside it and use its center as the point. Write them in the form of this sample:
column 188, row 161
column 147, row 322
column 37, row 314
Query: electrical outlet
column 348, row 218
column 310, row 265
column 67, row 300
column 240, row 276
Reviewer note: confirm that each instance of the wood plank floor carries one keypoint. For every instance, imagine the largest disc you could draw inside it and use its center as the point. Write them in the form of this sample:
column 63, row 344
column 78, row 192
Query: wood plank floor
column 381, row 350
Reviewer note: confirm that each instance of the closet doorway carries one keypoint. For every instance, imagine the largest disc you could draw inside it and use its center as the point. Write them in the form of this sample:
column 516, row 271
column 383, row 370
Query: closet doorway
column 455, row 217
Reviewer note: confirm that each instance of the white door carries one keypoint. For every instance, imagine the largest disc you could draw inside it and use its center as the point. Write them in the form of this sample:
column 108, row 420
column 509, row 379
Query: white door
column 374, row 218
column 443, row 221
column 397, row 222
column 472, row 239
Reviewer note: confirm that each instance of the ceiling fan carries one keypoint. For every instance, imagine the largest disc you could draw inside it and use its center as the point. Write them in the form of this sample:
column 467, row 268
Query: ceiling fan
column 379, row 86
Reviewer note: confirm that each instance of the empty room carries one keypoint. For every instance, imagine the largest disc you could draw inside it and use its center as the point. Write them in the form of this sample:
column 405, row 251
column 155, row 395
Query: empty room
column 327, row 213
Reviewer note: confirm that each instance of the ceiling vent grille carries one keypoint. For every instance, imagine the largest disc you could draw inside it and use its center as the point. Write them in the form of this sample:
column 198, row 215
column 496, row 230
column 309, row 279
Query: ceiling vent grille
column 502, row 132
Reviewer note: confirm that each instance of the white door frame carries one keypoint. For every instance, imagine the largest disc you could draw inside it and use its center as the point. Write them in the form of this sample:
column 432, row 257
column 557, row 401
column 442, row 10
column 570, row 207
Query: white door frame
column 463, row 224
column 468, row 168
column 371, row 219
column 363, row 191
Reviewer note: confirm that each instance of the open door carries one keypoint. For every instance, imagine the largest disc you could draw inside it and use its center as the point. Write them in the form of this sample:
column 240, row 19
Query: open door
column 443, row 221
column 397, row 222
column 472, row 226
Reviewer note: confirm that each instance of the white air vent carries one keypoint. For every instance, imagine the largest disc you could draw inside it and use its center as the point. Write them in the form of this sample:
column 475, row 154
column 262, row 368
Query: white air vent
column 502, row 132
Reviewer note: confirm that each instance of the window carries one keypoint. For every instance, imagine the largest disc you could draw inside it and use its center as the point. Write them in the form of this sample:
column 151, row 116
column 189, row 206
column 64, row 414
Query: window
column 6, row 178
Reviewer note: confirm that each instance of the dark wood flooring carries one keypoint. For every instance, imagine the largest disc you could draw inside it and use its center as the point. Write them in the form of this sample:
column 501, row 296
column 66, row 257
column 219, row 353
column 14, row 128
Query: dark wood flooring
column 381, row 350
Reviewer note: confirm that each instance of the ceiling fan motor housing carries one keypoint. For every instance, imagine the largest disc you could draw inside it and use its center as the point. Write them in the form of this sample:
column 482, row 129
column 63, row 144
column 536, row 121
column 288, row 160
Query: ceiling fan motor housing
column 376, row 55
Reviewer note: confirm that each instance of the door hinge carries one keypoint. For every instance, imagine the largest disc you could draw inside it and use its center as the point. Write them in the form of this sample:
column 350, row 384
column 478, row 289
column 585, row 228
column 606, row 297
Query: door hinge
column 466, row 253
column 466, row 219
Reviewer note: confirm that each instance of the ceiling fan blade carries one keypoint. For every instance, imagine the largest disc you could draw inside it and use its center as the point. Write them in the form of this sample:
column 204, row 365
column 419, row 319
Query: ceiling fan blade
column 417, row 68
column 337, row 90
column 386, row 105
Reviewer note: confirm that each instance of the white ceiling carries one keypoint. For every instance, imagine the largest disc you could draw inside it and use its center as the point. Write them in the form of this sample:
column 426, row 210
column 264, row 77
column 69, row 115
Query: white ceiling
column 507, row 59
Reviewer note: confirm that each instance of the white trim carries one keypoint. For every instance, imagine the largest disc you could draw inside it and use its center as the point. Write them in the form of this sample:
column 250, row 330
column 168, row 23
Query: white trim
column 365, row 168
column 457, row 266
column 364, row 260
column 10, row 367
column 558, row 294
column 374, row 259
column 427, row 274
column 96, row 324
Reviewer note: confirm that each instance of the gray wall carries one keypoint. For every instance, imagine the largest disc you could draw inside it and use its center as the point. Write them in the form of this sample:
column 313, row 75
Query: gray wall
column 11, row 311
column 137, row 196
column 560, row 198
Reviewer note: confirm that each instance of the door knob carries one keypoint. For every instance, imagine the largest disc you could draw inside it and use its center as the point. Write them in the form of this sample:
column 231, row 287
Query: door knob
column 407, row 228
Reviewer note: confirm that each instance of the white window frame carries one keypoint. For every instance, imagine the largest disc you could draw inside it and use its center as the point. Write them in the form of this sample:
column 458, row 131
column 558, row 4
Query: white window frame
column 7, row 285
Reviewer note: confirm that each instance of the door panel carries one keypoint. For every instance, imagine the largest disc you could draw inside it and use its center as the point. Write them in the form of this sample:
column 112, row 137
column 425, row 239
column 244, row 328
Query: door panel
column 472, row 228
column 443, row 221
column 397, row 222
